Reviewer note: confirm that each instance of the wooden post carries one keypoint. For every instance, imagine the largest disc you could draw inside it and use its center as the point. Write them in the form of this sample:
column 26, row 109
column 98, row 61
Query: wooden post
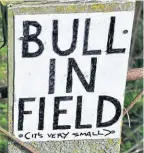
column 78, row 146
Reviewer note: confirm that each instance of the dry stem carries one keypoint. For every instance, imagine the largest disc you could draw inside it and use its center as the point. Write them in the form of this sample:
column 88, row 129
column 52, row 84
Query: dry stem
column 134, row 102
column 10, row 136
column 135, row 74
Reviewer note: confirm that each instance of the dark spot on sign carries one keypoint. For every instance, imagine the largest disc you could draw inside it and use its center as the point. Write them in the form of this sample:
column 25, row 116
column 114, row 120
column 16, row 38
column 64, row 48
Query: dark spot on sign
column 20, row 135
column 125, row 31
column 113, row 132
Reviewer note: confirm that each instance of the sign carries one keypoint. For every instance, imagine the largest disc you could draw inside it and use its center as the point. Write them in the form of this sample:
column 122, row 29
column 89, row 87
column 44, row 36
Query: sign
column 70, row 74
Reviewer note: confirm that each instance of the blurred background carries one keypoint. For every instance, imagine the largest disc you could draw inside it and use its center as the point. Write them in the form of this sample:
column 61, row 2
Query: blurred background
column 132, row 138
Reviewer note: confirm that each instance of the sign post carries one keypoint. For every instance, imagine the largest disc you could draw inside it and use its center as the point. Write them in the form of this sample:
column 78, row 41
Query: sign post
column 67, row 73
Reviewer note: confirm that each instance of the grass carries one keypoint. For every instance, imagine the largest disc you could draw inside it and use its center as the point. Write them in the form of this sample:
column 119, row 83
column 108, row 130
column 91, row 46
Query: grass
column 3, row 123
column 3, row 103
column 132, row 136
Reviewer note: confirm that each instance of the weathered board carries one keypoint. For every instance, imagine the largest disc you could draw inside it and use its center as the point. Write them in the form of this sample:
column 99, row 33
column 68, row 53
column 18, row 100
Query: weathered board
column 41, row 77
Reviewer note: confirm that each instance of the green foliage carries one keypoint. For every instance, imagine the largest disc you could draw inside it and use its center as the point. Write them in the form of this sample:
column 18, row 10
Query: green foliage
column 3, row 145
column 128, row 145
column 131, row 137
column 3, row 123
column 3, row 110
column 3, row 66
column 3, row 103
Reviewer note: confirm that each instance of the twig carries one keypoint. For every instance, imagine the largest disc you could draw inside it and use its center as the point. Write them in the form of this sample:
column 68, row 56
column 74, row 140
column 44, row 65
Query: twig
column 10, row 136
column 138, row 151
column 135, row 121
column 134, row 102
column 129, row 121
column 135, row 74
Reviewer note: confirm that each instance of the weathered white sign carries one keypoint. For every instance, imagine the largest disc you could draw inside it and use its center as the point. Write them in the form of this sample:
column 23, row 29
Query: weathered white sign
column 70, row 75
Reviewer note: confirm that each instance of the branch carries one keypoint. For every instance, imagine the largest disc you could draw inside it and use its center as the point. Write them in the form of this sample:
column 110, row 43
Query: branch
column 133, row 102
column 10, row 136
column 135, row 74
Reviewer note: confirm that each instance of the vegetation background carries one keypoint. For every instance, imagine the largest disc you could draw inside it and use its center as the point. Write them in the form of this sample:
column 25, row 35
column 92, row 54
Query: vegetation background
column 132, row 138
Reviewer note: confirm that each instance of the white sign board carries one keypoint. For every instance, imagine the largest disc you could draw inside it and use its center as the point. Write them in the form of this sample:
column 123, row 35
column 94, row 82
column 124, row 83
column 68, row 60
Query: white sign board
column 70, row 74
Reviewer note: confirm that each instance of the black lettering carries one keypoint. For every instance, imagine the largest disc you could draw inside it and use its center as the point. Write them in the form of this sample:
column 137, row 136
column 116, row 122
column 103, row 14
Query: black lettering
column 22, row 112
column 75, row 134
column 65, row 135
column 52, row 76
column 94, row 134
column 74, row 38
column 41, row 113
column 78, row 115
column 34, row 135
column 85, row 134
column 99, row 133
column 59, row 135
column 89, row 87
column 117, row 105
column 57, row 111
column 51, row 135
column 40, row 135
column 110, row 50
column 26, row 136
column 31, row 38
column 86, row 36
